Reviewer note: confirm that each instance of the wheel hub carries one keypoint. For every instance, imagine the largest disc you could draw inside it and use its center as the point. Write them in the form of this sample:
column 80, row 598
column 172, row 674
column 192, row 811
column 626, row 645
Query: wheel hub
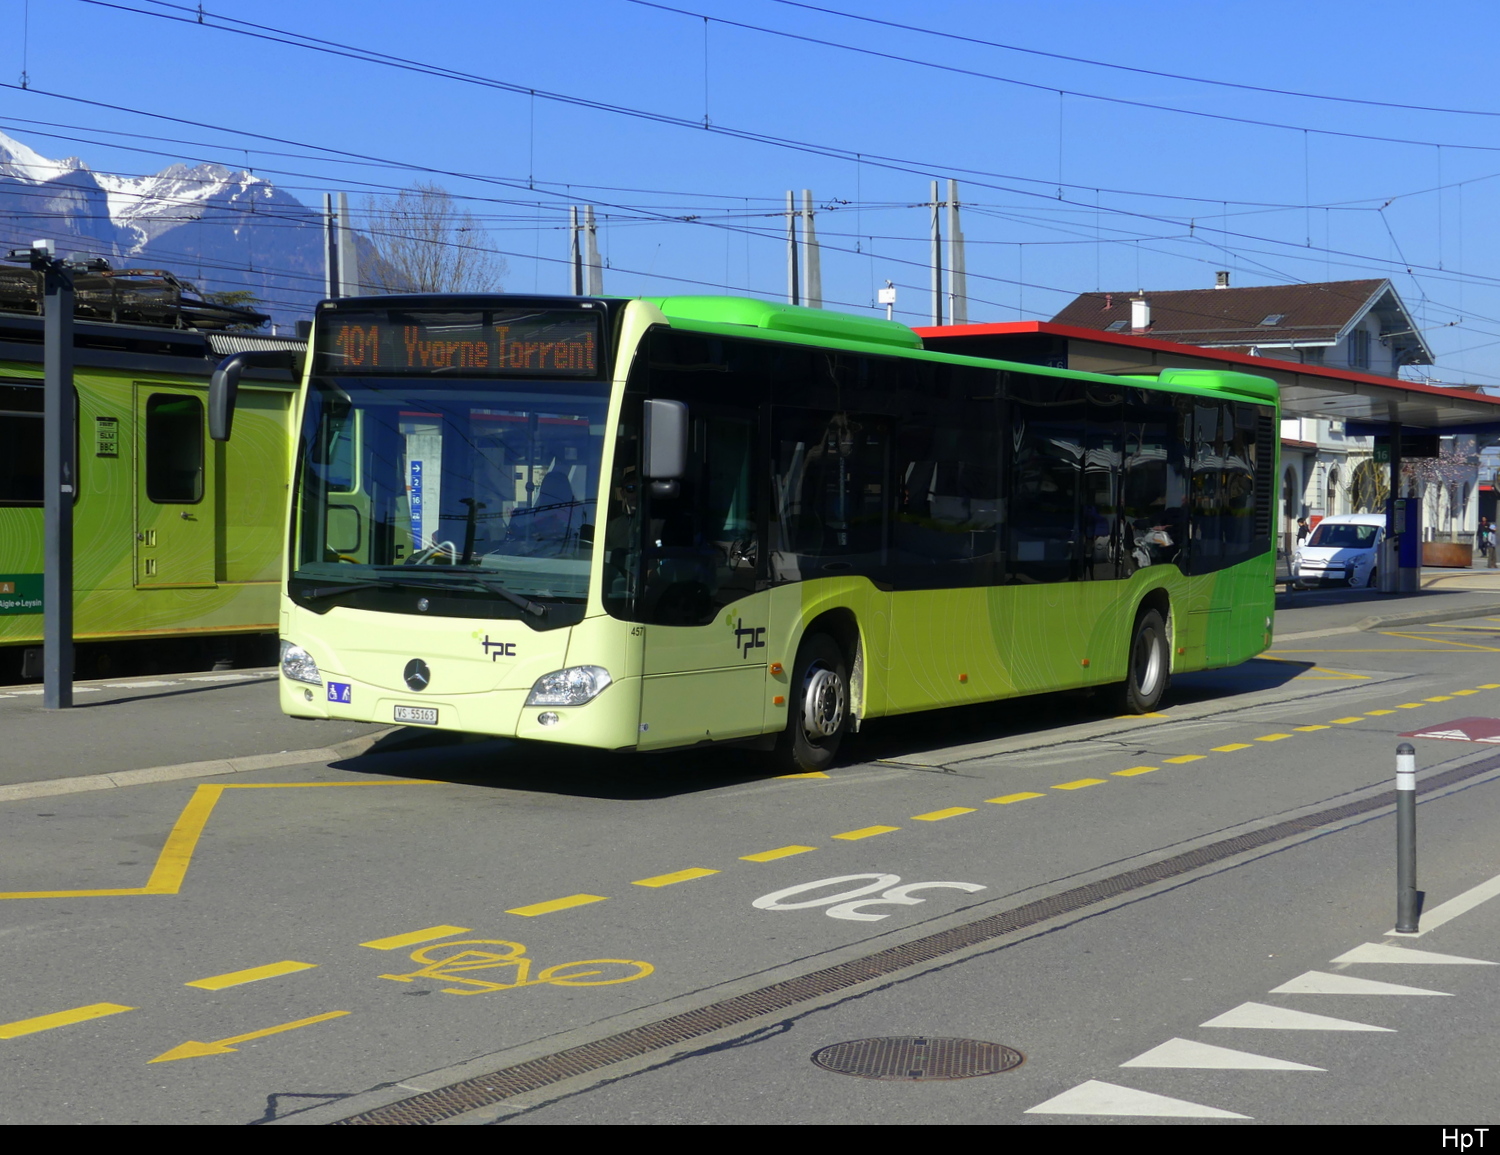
column 823, row 703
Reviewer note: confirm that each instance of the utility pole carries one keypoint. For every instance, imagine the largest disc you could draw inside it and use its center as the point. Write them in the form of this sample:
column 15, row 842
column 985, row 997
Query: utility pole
column 958, row 287
column 937, row 256
column 59, row 465
column 814, row 262
column 575, row 253
column 595, row 270
column 348, row 263
column 793, row 291
column 332, row 286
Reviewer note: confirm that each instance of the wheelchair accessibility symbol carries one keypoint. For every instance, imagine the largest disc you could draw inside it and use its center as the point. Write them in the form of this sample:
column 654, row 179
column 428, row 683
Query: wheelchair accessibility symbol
column 453, row 962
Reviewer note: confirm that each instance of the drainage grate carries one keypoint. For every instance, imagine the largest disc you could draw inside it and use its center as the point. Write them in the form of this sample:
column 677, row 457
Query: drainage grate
column 485, row 1090
column 917, row 1058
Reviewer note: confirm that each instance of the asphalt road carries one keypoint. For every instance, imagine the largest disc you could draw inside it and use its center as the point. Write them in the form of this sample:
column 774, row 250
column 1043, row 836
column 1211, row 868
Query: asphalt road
column 312, row 942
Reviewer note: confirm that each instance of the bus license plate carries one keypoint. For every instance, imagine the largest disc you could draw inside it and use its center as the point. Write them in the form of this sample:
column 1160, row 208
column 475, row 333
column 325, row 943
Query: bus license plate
column 422, row 715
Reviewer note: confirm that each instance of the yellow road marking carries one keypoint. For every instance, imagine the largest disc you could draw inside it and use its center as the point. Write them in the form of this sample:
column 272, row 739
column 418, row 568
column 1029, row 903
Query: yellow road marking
column 1308, row 729
column 1380, row 713
column 1346, row 721
column 1440, row 698
column 809, row 774
column 1272, row 737
column 773, row 855
column 556, row 904
column 1127, row 717
column 1007, row 799
column 1182, row 758
column 226, row 1046
column 1490, row 686
column 1409, row 706
column 1133, row 771
column 1457, row 694
column 1079, row 784
column 1441, row 641
column 675, row 877
column 939, row 815
column 62, row 1019
column 177, row 852
column 397, row 941
column 865, row 832
column 253, row 975
column 1231, row 748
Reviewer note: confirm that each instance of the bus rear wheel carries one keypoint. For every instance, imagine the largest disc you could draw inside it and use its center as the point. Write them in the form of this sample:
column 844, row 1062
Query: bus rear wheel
column 817, row 707
column 1148, row 668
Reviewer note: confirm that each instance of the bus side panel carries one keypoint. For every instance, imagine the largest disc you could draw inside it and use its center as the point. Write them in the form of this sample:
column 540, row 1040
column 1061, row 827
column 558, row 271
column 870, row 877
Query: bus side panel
column 794, row 608
column 252, row 493
column 949, row 647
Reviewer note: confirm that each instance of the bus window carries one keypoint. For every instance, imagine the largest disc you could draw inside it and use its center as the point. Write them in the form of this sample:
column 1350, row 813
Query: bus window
column 1047, row 434
column 1154, row 486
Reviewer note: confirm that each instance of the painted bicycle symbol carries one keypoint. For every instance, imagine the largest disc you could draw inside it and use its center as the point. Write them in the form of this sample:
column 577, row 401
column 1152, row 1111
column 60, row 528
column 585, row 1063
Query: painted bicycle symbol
column 458, row 963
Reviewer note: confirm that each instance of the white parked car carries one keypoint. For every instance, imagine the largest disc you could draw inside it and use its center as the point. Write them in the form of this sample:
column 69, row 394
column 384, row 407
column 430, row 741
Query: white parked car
column 1343, row 550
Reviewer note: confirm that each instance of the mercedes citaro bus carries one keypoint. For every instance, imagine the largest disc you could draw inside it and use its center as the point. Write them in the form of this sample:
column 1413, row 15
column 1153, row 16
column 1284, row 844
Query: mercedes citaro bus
column 646, row 524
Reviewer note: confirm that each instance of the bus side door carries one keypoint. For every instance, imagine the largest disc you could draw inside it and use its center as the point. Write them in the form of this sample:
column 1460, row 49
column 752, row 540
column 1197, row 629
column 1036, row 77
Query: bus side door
column 705, row 652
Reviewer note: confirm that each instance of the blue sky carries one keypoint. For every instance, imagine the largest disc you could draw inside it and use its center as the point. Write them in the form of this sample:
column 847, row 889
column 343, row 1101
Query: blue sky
column 1064, row 192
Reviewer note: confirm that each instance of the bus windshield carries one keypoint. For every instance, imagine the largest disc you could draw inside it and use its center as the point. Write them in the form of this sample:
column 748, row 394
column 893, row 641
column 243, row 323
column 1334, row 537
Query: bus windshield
column 483, row 485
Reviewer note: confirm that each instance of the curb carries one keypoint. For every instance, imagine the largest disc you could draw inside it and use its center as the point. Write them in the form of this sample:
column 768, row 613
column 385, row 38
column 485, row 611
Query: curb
column 348, row 749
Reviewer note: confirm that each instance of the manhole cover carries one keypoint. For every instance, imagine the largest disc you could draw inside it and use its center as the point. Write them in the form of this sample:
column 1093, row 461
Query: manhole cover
column 915, row 1057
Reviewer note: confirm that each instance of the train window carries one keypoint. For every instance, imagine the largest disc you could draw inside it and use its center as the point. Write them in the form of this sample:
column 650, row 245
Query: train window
column 20, row 444
column 174, row 449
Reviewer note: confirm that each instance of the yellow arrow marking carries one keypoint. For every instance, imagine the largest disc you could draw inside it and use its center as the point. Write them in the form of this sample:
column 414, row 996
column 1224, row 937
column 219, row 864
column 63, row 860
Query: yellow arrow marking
column 192, row 1050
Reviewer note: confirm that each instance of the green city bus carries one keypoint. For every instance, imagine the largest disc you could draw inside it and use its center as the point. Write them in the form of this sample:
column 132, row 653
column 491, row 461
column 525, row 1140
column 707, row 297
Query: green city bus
column 651, row 524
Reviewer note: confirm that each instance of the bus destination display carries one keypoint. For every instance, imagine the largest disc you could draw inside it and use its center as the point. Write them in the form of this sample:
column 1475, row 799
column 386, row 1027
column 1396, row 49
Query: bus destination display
column 495, row 343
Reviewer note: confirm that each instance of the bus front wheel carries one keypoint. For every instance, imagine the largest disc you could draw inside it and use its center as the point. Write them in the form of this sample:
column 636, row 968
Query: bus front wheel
column 817, row 706
column 1149, row 665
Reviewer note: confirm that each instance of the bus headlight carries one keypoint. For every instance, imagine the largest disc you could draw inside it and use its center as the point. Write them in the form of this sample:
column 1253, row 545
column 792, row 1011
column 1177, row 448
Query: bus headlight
column 297, row 664
column 571, row 687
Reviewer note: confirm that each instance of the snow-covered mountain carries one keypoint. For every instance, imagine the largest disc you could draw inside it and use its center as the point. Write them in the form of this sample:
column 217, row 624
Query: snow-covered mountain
column 207, row 224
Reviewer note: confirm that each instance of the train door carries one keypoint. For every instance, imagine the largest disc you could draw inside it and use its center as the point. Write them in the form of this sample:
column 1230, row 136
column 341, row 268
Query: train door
column 174, row 491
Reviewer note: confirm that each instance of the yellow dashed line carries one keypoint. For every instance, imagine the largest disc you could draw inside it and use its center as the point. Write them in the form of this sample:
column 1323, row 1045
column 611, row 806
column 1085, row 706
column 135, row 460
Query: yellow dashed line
column 1380, row 713
column 1133, row 771
column 568, row 903
column 62, row 1019
column 1079, row 784
column 1490, row 686
column 1457, row 694
column 1308, row 729
column 1007, row 799
column 1181, row 758
column 773, row 855
column 1346, row 721
column 939, row 815
column 1231, row 748
column 1272, row 737
column 397, row 941
column 253, row 975
column 675, row 877
column 865, row 832
column 1409, row 706
column 1440, row 698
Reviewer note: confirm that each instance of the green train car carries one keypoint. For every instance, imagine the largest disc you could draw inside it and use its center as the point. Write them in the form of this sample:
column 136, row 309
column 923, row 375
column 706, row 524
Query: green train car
column 178, row 539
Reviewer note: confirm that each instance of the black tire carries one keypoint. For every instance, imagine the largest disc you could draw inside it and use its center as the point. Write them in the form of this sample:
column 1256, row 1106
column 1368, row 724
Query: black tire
column 1148, row 665
column 817, row 707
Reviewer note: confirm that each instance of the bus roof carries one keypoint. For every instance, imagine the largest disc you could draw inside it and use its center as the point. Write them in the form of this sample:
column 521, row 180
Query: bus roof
column 803, row 325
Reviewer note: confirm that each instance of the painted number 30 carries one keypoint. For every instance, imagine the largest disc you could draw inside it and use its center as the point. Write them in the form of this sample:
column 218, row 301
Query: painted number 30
column 840, row 905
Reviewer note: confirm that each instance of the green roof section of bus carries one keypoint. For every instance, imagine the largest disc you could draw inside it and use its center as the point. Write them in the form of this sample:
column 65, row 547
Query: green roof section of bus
column 1244, row 384
column 798, row 319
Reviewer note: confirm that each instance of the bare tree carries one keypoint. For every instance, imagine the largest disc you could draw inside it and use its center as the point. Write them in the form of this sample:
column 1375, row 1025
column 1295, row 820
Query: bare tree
column 425, row 243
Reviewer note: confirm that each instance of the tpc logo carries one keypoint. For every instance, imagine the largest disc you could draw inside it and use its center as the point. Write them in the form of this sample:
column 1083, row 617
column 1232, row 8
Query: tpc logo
column 498, row 650
column 749, row 637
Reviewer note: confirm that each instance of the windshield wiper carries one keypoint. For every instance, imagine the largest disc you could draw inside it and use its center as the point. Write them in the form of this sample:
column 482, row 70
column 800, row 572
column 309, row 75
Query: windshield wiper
column 333, row 591
column 536, row 609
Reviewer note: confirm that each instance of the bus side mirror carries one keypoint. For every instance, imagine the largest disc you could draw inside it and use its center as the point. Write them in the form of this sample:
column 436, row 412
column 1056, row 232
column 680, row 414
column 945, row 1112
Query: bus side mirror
column 224, row 386
column 666, row 445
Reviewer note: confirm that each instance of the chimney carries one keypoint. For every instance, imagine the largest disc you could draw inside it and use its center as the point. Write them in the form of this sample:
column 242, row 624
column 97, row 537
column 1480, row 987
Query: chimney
column 1140, row 313
column 1221, row 279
